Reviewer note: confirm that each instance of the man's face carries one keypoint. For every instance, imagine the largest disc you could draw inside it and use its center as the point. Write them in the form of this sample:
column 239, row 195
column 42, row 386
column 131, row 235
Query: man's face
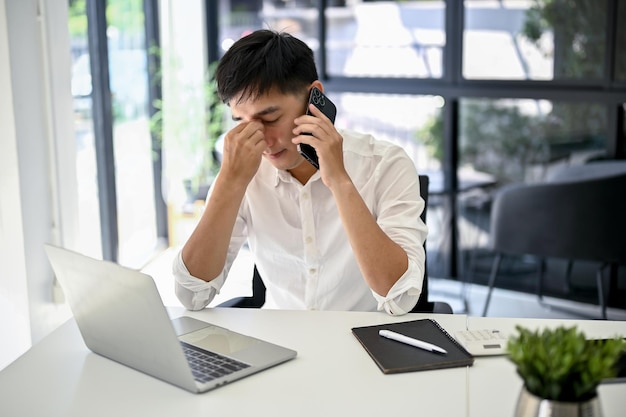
column 277, row 112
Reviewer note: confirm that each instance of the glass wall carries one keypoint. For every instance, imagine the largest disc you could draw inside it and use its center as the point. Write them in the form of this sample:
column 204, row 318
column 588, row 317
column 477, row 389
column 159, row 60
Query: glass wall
column 88, row 210
column 188, row 166
column 410, row 43
column 133, row 157
column 386, row 39
column 534, row 40
column 132, row 144
column 620, row 42
column 523, row 133
column 401, row 119
column 524, row 140
column 512, row 141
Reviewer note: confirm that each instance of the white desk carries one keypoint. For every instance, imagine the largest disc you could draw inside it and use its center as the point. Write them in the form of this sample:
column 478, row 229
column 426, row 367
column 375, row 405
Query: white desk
column 332, row 375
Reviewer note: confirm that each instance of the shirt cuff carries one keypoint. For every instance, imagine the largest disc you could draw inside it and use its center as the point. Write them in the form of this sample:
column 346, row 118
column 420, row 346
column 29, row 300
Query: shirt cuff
column 404, row 294
column 194, row 293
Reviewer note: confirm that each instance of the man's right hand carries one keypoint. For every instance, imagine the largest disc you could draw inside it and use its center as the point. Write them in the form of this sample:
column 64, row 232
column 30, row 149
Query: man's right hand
column 204, row 253
column 243, row 150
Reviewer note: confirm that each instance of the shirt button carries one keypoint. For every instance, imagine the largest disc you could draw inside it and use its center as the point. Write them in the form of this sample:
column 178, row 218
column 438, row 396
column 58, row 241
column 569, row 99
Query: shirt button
column 305, row 196
column 309, row 240
column 312, row 271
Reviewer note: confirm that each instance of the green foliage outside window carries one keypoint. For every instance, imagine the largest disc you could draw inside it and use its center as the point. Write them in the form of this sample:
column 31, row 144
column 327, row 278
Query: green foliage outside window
column 188, row 127
column 499, row 138
column 126, row 15
column 578, row 28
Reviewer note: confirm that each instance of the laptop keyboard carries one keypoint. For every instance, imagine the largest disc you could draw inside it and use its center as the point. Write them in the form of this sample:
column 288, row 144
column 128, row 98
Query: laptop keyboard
column 207, row 366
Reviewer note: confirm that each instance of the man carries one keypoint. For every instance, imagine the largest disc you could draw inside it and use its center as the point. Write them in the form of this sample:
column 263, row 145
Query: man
column 344, row 237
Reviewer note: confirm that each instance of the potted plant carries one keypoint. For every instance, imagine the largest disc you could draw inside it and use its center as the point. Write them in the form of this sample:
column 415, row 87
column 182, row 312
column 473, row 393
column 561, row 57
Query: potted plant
column 561, row 370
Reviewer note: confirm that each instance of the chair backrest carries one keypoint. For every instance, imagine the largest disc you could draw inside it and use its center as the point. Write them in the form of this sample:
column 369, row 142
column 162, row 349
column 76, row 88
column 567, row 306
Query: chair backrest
column 580, row 219
column 422, row 303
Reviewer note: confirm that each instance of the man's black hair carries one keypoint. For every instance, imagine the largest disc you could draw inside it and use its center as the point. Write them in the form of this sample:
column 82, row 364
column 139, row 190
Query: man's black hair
column 263, row 60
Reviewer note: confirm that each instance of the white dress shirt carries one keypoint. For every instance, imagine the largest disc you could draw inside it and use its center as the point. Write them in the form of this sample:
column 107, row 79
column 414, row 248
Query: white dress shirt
column 299, row 244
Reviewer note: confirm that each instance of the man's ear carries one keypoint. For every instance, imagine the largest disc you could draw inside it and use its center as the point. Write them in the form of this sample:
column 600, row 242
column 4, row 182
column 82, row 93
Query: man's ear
column 318, row 84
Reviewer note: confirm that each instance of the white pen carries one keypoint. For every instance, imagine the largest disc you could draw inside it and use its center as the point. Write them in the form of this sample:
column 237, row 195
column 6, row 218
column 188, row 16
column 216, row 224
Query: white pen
column 410, row 341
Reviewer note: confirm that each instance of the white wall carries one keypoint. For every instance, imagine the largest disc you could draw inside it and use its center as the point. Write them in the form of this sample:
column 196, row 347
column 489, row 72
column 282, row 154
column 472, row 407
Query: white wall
column 37, row 166
column 14, row 315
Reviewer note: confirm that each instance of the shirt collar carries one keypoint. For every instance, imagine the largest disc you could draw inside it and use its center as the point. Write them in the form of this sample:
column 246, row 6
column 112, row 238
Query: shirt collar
column 282, row 175
column 285, row 176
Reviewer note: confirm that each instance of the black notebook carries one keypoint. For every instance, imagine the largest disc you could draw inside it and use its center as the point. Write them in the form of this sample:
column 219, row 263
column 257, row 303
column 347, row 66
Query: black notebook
column 394, row 357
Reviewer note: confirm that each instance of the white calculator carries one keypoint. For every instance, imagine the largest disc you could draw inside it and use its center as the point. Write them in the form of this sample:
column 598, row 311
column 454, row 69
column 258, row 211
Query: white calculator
column 482, row 342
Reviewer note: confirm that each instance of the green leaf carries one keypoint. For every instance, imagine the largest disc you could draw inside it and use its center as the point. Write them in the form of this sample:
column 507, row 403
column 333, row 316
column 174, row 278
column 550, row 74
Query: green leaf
column 560, row 364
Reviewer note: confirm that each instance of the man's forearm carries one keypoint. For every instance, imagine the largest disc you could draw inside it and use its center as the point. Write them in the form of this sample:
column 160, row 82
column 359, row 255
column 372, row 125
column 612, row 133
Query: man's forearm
column 204, row 253
column 381, row 260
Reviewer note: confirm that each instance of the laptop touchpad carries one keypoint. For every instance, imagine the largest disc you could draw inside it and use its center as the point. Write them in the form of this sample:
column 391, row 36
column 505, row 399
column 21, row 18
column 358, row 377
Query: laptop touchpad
column 219, row 340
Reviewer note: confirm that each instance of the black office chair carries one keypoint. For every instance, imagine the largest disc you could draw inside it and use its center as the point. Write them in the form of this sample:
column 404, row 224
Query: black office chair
column 423, row 305
column 578, row 215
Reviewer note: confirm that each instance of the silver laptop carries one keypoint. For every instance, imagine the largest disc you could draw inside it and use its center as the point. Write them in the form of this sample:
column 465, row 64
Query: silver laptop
column 121, row 316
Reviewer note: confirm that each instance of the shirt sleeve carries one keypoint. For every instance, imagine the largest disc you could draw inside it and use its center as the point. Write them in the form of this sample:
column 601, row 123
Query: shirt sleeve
column 399, row 206
column 194, row 293
column 404, row 294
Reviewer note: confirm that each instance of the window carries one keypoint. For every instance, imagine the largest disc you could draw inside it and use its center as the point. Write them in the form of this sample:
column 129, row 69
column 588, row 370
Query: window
column 523, row 140
column 386, row 39
column 402, row 119
column 132, row 143
column 88, row 209
column 511, row 141
column 131, row 166
column 540, row 40
column 188, row 167
column 620, row 42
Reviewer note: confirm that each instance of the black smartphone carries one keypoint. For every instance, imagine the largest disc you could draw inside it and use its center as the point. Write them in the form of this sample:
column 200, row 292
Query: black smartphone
column 327, row 107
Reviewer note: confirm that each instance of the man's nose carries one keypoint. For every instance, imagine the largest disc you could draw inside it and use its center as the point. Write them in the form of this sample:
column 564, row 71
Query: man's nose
column 270, row 139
